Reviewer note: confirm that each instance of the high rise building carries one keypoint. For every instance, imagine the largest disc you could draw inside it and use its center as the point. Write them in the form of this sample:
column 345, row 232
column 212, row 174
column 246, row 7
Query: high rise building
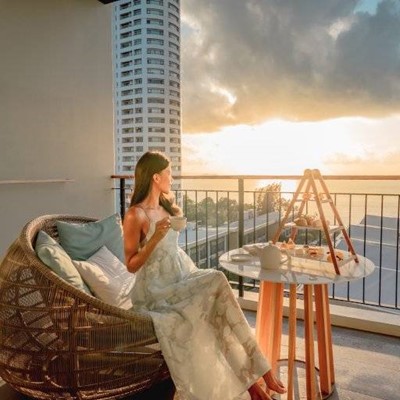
column 146, row 52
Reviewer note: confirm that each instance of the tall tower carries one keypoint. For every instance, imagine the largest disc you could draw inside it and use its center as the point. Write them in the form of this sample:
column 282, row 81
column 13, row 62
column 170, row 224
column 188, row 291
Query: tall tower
column 146, row 52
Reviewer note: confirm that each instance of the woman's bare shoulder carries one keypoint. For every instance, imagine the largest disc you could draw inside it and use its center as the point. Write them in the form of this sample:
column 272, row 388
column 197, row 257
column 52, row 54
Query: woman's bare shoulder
column 135, row 215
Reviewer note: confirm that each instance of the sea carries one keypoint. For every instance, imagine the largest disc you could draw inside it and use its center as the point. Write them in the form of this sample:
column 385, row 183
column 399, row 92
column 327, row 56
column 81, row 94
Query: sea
column 354, row 199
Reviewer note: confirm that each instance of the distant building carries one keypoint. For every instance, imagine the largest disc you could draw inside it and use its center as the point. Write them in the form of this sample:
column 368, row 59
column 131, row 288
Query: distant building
column 147, row 97
column 206, row 244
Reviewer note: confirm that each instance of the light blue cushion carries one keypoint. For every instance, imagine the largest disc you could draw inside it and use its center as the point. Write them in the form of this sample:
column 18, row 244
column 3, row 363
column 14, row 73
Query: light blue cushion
column 55, row 257
column 81, row 241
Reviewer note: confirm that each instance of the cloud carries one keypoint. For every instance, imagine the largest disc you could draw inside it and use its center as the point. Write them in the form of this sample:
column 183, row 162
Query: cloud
column 369, row 163
column 244, row 61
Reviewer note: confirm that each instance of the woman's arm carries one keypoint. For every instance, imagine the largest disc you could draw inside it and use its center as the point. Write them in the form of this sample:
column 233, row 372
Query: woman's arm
column 134, row 222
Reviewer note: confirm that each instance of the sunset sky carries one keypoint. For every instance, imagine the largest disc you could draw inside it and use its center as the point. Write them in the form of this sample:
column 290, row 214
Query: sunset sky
column 276, row 86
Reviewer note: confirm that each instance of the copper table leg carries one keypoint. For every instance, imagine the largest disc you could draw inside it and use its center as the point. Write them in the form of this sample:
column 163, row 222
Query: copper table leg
column 269, row 332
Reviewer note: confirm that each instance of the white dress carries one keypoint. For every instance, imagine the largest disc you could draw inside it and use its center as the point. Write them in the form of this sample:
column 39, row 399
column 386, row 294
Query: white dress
column 205, row 339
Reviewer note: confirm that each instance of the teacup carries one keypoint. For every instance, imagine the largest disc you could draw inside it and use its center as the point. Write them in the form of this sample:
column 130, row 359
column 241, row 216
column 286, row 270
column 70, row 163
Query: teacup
column 178, row 223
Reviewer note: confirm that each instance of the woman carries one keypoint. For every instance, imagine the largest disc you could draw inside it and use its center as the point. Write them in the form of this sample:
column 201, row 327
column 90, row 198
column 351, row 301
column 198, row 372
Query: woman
column 204, row 337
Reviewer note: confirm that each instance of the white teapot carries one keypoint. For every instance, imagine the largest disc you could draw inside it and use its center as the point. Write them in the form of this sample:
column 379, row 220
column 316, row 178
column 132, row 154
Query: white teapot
column 271, row 256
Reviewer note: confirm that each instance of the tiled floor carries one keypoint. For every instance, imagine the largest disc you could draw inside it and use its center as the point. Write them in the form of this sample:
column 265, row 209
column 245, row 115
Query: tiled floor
column 367, row 366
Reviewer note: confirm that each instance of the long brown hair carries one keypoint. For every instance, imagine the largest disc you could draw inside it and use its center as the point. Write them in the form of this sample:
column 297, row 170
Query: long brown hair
column 151, row 162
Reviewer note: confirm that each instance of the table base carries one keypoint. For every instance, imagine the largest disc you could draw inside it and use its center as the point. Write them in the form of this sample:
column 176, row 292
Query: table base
column 284, row 361
column 269, row 332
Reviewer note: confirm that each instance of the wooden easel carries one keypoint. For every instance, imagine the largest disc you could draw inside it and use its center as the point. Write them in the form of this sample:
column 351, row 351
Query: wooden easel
column 311, row 193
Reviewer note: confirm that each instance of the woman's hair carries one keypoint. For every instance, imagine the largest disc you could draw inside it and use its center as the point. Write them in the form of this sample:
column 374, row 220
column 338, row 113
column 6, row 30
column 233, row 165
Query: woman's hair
column 152, row 162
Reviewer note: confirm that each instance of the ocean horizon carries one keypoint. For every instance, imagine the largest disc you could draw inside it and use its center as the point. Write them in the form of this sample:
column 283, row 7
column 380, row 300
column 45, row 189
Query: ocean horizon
column 354, row 198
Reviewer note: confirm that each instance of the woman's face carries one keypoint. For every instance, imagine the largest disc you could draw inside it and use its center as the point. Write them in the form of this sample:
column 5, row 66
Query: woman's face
column 163, row 180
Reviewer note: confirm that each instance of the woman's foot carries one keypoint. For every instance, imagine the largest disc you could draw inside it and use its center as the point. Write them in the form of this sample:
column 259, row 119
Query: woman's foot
column 273, row 383
column 256, row 393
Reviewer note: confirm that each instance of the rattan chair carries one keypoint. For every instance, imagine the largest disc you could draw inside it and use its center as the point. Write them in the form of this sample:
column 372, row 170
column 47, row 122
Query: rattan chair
column 57, row 342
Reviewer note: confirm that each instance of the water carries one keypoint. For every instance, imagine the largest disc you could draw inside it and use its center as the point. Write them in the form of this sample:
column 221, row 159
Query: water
column 354, row 199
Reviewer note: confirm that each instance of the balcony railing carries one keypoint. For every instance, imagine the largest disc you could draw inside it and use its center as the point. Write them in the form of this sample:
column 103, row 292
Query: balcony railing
column 225, row 212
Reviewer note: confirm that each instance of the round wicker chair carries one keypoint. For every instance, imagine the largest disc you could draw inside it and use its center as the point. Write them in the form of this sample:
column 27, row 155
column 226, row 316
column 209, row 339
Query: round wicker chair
column 57, row 342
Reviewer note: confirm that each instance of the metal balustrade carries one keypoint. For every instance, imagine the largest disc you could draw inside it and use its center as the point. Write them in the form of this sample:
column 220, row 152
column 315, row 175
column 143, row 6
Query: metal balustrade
column 219, row 220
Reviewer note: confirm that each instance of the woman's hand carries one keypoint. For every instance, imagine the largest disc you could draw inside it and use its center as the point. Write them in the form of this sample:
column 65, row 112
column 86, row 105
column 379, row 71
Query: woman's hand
column 162, row 228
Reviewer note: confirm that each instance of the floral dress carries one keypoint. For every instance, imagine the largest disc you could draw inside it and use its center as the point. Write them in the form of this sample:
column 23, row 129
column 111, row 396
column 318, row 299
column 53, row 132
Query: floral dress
column 205, row 339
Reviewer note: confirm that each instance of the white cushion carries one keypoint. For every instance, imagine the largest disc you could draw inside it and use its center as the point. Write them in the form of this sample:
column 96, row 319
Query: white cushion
column 107, row 277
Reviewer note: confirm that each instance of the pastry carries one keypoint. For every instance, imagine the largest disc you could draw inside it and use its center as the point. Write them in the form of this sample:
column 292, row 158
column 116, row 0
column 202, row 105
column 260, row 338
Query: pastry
column 317, row 223
column 310, row 219
column 314, row 251
column 290, row 244
column 299, row 251
column 301, row 221
column 338, row 254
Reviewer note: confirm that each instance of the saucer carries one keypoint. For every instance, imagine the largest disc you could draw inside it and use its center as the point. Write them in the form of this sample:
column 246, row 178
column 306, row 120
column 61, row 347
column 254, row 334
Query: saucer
column 241, row 257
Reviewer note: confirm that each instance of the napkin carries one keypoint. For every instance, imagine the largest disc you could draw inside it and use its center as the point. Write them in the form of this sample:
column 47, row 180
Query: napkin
column 253, row 249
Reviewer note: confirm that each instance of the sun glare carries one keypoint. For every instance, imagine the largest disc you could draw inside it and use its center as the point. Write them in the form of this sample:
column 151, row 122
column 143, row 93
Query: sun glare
column 279, row 147
column 275, row 147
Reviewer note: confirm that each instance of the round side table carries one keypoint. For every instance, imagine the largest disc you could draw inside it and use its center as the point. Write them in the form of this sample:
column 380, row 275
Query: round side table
column 315, row 276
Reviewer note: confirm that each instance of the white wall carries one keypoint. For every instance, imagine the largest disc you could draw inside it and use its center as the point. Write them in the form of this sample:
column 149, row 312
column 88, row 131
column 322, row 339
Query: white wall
column 56, row 116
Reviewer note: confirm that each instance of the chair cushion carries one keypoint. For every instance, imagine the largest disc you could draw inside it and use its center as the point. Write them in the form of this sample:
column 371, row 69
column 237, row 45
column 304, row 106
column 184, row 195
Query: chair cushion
column 55, row 257
column 81, row 241
column 107, row 277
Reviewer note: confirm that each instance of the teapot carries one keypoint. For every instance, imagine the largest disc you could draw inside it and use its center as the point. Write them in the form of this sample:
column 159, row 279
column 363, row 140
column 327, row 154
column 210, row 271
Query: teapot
column 271, row 256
